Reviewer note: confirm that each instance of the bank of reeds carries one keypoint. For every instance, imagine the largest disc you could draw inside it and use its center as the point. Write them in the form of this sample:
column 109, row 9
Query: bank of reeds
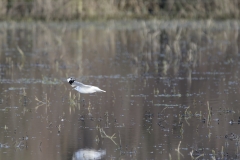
column 105, row 9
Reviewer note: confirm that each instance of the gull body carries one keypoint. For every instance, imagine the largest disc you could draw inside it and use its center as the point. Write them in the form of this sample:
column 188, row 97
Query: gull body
column 82, row 88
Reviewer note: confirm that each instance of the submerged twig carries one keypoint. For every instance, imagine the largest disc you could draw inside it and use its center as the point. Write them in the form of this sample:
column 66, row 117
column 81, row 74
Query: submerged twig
column 164, row 109
column 199, row 156
column 42, row 102
column 120, row 138
column 178, row 149
column 104, row 135
column 18, row 144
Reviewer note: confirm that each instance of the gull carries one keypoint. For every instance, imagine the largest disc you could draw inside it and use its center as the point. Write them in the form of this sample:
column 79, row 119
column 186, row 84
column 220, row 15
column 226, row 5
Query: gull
column 82, row 88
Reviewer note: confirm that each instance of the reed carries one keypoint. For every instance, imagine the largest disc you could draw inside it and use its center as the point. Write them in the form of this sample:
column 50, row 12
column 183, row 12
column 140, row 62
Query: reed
column 105, row 9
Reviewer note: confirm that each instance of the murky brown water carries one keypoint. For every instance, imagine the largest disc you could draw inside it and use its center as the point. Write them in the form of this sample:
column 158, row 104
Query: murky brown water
column 172, row 89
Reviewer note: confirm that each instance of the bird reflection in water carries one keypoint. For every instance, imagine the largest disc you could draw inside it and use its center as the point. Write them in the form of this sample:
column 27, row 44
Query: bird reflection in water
column 88, row 154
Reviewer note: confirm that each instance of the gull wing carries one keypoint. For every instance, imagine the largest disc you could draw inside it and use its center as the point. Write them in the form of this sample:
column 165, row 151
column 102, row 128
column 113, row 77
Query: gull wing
column 82, row 88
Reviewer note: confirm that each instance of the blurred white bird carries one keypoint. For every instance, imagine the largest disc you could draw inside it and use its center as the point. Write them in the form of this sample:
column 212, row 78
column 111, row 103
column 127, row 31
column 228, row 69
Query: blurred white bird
column 82, row 88
column 89, row 154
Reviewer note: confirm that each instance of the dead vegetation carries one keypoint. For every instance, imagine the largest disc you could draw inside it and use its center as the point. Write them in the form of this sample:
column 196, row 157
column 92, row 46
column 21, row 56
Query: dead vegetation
column 108, row 9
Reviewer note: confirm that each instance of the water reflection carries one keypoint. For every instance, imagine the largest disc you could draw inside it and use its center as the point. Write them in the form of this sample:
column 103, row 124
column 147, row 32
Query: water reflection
column 88, row 154
column 171, row 90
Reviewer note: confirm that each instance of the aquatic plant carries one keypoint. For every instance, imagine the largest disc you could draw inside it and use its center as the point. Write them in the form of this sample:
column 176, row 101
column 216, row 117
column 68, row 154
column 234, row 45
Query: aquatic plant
column 45, row 102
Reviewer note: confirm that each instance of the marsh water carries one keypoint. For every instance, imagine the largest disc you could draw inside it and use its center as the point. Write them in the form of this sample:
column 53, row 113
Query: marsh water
column 172, row 90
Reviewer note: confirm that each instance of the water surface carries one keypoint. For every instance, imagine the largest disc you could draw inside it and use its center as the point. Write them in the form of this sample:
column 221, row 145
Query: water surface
column 172, row 90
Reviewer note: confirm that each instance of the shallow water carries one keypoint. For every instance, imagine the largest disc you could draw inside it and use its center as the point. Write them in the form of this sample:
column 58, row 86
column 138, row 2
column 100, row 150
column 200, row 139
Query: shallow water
column 172, row 90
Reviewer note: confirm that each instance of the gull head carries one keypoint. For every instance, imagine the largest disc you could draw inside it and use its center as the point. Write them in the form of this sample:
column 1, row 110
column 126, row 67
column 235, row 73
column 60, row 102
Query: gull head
column 70, row 80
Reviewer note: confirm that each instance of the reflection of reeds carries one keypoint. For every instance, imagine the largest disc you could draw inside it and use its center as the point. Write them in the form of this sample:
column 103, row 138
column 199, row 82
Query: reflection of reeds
column 74, row 100
column 161, row 51
column 23, row 99
column 22, row 57
column 209, row 115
